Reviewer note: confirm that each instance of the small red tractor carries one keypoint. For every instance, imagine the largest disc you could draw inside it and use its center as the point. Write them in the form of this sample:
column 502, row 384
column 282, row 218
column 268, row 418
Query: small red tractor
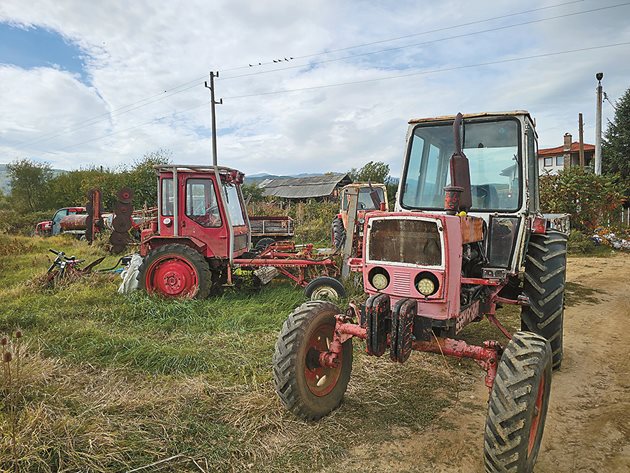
column 369, row 197
column 202, row 232
column 466, row 237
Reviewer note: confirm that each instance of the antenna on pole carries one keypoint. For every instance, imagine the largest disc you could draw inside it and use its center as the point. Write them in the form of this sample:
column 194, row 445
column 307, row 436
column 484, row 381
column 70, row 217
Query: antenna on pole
column 213, row 102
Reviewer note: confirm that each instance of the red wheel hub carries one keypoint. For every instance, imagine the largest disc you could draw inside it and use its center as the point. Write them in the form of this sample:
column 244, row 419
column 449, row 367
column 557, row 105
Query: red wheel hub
column 536, row 416
column 172, row 276
column 321, row 380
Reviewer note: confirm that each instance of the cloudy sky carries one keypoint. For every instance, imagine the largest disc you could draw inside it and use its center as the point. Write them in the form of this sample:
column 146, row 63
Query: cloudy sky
column 103, row 83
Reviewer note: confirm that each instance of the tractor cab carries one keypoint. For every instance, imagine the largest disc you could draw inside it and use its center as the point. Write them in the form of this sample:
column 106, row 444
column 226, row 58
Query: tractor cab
column 201, row 207
column 503, row 170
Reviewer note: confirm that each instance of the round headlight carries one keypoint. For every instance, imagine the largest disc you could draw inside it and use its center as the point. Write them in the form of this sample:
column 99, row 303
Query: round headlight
column 379, row 281
column 425, row 286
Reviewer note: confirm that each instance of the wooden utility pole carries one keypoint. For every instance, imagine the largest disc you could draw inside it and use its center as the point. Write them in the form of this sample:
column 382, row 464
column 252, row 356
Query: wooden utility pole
column 598, row 125
column 213, row 102
column 581, row 125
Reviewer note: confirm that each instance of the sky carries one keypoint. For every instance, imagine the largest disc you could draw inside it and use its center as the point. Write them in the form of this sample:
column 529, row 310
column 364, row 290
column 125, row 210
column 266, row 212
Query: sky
column 307, row 87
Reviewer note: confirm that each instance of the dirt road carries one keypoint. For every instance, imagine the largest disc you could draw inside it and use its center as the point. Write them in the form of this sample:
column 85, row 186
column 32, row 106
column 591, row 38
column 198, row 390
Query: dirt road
column 588, row 425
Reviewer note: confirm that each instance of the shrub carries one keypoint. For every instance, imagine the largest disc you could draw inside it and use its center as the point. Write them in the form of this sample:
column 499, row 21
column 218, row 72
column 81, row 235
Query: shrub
column 590, row 199
column 20, row 223
column 580, row 243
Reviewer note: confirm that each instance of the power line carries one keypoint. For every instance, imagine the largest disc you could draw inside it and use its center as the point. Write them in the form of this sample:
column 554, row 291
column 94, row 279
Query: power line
column 376, row 79
column 163, row 95
column 424, row 43
column 433, row 71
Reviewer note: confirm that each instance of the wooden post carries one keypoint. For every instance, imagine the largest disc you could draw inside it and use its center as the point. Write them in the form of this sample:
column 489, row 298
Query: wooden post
column 353, row 203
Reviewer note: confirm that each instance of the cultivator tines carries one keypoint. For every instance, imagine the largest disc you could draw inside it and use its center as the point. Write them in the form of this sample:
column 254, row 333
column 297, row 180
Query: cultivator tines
column 376, row 310
column 122, row 223
column 402, row 330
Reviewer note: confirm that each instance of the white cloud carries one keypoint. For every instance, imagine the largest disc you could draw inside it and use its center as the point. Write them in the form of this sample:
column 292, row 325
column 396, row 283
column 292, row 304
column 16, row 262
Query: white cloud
column 139, row 49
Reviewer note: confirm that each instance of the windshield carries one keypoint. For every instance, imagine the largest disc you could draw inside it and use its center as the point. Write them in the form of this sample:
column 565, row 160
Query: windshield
column 493, row 155
column 233, row 205
column 365, row 199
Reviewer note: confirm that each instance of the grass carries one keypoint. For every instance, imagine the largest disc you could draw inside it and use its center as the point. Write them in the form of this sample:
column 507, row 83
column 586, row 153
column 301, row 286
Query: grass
column 112, row 382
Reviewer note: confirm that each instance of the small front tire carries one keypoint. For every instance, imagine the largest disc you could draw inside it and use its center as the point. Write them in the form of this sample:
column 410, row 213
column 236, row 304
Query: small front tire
column 518, row 405
column 325, row 288
column 306, row 388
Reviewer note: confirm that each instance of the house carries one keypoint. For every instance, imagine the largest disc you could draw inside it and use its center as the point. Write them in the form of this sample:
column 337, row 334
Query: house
column 321, row 187
column 551, row 160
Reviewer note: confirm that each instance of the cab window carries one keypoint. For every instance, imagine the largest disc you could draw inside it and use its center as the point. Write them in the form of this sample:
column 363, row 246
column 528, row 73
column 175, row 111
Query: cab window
column 201, row 203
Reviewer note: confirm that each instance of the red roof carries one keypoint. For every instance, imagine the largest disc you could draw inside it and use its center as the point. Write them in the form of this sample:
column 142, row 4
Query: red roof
column 575, row 147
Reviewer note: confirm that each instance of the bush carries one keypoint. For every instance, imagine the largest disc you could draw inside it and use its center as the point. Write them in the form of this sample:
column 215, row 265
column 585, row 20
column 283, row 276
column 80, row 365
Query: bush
column 590, row 199
column 580, row 243
column 20, row 223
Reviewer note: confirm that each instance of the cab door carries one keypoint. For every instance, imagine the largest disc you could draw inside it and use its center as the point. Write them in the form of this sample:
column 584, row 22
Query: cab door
column 202, row 217
column 56, row 221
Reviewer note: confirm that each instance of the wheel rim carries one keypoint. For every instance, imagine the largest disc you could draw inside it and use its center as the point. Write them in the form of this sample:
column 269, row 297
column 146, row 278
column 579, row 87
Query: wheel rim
column 321, row 380
column 536, row 416
column 324, row 293
column 172, row 276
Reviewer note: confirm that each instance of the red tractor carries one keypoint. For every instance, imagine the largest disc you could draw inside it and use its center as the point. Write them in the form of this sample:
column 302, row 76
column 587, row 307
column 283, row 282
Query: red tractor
column 466, row 236
column 202, row 231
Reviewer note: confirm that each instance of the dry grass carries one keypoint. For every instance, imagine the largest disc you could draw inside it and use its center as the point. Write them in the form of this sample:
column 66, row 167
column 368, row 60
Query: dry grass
column 114, row 383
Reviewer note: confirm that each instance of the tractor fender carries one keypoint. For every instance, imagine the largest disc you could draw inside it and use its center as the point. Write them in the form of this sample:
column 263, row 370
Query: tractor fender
column 152, row 242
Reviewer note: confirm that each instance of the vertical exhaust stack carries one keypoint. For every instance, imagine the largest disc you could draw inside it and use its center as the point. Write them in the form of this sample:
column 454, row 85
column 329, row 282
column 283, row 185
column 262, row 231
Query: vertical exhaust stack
column 458, row 195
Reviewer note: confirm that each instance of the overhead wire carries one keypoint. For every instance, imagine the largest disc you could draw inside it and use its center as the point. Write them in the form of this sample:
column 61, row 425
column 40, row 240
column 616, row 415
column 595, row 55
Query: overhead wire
column 193, row 83
column 363, row 81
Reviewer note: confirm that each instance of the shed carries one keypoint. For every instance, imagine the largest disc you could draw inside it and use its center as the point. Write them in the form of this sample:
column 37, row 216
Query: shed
column 312, row 187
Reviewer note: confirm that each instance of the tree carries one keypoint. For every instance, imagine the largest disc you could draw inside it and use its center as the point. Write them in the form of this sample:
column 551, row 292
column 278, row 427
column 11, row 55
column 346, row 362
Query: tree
column 374, row 171
column 142, row 177
column 616, row 143
column 29, row 184
column 590, row 199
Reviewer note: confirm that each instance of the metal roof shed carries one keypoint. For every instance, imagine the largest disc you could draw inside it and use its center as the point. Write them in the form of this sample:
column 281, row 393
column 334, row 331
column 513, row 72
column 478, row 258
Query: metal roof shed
column 311, row 187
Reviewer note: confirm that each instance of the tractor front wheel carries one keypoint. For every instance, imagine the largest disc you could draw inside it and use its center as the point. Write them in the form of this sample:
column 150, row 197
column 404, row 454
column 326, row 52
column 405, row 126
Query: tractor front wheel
column 518, row 405
column 324, row 288
column 305, row 387
column 175, row 271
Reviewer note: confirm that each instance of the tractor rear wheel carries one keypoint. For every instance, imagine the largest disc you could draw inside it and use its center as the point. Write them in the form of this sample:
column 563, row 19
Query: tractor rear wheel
column 305, row 387
column 338, row 233
column 543, row 284
column 518, row 405
column 175, row 271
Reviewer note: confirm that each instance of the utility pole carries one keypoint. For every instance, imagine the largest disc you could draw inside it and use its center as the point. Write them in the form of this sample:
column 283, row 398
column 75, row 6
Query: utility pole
column 581, row 131
column 598, row 125
column 213, row 102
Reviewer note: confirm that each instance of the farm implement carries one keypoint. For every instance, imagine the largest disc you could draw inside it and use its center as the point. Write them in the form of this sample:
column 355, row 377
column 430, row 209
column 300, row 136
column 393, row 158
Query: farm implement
column 466, row 237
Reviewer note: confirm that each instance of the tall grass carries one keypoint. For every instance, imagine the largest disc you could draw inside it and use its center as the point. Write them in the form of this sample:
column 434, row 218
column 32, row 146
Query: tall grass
column 112, row 383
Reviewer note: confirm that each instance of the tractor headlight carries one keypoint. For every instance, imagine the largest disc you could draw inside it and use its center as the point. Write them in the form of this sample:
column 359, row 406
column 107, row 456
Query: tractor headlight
column 426, row 283
column 426, row 287
column 378, row 278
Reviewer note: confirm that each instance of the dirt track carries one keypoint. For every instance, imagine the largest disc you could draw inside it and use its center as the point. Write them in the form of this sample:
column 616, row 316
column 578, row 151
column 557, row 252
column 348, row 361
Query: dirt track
column 588, row 425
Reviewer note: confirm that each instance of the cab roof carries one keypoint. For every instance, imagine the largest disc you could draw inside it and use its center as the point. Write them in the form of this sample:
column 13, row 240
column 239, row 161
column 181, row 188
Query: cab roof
column 446, row 118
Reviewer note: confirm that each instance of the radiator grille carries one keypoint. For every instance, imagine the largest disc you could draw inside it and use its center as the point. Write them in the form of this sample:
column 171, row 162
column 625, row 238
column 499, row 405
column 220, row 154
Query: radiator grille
column 401, row 281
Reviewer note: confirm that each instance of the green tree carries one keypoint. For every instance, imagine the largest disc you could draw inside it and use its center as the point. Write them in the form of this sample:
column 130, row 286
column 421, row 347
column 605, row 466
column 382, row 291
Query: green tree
column 142, row 177
column 29, row 184
column 616, row 143
column 590, row 199
column 374, row 171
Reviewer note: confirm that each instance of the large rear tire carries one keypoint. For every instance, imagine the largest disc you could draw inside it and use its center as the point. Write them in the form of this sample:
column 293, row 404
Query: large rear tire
column 307, row 389
column 338, row 233
column 175, row 271
column 518, row 405
column 545, row 275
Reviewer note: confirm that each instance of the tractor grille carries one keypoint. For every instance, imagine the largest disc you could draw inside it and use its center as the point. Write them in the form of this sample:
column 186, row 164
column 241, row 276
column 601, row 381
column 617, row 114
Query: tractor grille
column 405, row 240
column 401, row 282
